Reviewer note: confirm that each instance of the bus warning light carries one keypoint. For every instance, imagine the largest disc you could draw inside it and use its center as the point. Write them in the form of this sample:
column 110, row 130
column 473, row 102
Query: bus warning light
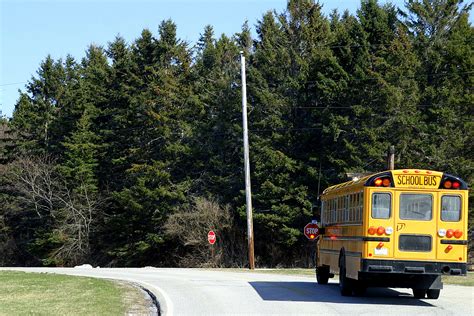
column 386, row 182
column 448, row 184
column 456, row 185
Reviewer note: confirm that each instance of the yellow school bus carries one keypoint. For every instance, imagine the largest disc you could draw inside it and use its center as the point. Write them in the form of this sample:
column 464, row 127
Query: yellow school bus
column 397, row 228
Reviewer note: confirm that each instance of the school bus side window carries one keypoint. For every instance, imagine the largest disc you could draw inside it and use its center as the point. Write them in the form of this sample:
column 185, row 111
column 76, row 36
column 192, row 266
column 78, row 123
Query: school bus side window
column 381, row 205
column 450, row 208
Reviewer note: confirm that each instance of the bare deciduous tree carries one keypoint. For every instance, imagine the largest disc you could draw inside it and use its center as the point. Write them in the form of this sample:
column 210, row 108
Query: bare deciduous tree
column 192, row 224
column 73, row 210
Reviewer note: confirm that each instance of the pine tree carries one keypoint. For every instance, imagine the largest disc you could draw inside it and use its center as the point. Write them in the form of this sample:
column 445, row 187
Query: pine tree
column 155, row 178
column 38, row 107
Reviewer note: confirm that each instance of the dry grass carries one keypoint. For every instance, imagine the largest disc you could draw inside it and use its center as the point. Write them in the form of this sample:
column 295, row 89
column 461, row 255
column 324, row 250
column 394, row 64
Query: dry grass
column 136, row 301
column 467, row 280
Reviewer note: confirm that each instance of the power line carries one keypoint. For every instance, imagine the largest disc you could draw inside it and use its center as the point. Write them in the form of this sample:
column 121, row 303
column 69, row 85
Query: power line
column 351, row 107
column 274, row 83
column 13, row 83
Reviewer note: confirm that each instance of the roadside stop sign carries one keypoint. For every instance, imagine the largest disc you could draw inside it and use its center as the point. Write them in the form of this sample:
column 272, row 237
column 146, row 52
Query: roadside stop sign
column 211, row 237
column 311, row 230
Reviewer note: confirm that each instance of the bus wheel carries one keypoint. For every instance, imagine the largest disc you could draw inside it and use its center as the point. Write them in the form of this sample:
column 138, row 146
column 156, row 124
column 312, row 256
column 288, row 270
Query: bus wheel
column 433, row 294
column 322, row 275
column 344, row 282
column 419, row 293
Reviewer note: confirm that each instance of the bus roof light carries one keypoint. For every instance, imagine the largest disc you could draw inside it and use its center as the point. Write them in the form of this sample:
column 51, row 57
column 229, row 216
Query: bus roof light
column 452, row 182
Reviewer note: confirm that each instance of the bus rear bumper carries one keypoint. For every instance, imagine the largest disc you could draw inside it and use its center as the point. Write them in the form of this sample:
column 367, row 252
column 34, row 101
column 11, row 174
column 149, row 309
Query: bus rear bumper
column 409, row 274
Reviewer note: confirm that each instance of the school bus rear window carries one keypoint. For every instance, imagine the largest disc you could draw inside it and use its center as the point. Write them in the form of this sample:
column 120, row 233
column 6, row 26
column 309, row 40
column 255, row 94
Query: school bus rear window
column 381, row 205
column 451, row 208
column 416, row 207
column 414, row 243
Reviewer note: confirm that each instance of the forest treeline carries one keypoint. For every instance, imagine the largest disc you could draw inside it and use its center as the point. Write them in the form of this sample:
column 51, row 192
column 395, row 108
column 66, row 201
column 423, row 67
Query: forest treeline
column 131, row 155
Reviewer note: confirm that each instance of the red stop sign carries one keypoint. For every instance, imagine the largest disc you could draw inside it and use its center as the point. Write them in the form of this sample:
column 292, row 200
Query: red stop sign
column 211, row 237
column 311, row 231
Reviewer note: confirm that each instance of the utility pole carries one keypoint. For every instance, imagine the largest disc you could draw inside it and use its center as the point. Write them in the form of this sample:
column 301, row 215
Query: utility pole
column 391, row 158
column 248, row 193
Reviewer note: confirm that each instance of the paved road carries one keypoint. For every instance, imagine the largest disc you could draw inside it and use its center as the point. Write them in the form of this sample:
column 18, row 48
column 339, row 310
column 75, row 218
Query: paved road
column 216, row 292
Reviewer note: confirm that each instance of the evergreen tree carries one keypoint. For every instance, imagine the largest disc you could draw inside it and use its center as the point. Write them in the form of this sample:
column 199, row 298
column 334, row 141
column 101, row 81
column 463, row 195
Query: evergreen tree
column 155, row 178
column 37, row 109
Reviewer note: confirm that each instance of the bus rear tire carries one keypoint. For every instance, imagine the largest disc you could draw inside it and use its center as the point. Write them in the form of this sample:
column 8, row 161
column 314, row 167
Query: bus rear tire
column 344, row 282
column 433, row 294
column 419, row 293
column 360, row 289
column 322, row 275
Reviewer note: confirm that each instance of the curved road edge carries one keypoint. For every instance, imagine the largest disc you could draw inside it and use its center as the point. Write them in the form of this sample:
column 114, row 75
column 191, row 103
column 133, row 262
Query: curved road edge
column 164, row 302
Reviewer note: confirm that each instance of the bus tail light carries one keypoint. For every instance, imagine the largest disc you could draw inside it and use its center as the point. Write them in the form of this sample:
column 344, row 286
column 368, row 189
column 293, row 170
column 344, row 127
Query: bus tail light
column 442, row 232
column 457, row 233
column 380, row 230
column 371, row 230
column 449, row 233
column 388, row 230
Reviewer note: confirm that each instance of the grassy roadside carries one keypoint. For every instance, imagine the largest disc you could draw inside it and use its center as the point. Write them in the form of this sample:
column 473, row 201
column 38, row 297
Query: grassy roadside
column 458, row 280
column 53, row 294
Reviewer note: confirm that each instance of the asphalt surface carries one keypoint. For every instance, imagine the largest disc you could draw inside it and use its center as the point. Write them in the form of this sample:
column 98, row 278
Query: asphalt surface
column 217, row 292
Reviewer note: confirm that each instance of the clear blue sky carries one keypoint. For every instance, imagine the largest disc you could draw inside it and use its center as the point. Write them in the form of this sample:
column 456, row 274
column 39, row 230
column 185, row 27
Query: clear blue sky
column 30, row 30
